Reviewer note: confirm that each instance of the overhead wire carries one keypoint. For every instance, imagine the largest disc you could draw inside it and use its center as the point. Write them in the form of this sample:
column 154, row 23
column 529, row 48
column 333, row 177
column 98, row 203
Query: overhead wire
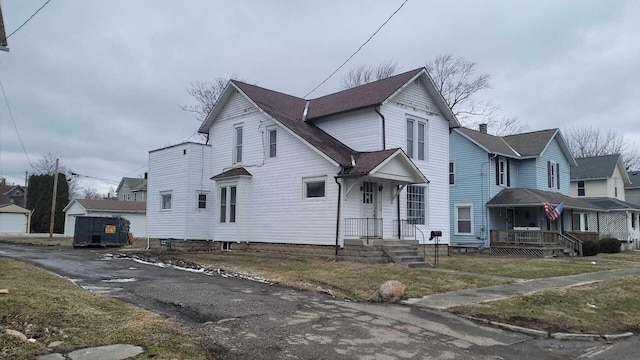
column 357, row 51
column 26, row 21
column 14, row 124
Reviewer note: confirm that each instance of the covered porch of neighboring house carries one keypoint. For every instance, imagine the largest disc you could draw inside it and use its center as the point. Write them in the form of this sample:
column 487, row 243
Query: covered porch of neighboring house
column 520, row 226
column 618, row 219
column 370, row 193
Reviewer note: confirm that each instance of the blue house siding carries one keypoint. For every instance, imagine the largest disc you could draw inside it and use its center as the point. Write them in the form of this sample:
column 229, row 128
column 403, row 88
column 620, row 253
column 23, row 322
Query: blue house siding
column 553, row 153
column 527, row 174
column 511, row 180
column 471, row 187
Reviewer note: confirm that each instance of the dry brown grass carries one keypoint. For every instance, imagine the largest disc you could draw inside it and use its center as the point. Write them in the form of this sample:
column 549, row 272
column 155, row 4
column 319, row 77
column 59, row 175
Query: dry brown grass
column 49, row 308
column 345, row 279
column 602, row 308
column 533, row 268
column 40, row 241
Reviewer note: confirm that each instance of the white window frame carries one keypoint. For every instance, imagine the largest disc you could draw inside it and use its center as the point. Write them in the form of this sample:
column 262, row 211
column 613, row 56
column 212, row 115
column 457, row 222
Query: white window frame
column 502, row 172
column 421, row 220
column 583, row 188
column 417, row 144
column 583, row 219
column 270, row 130
column 313, row 179
column 163, row 194
column 206, row 200
column 552, row 174
column 452, row 172
column 456, row 220
column 228, row 207
column 237, row 146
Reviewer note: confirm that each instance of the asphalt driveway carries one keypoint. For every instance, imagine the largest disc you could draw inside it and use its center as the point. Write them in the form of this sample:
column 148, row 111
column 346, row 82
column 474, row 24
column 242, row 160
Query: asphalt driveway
column 253, row 320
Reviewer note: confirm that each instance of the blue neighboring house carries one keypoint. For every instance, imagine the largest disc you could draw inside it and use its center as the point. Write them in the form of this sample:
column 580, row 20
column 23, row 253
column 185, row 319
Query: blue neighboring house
column 499, row 184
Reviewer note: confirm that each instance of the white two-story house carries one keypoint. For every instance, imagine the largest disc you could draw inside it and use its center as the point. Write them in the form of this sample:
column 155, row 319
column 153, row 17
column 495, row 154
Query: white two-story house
column 367, row 162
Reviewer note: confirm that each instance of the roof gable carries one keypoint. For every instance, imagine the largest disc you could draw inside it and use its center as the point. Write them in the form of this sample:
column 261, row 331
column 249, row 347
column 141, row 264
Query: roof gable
column 531, row 143
column 391, row 164
column 634, row 177
column 598, row 168
column 489, row 143
column 235, row 172
column 134, row 184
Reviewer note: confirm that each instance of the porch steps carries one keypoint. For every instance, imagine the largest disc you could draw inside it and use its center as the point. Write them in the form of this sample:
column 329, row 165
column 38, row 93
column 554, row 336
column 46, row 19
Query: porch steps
column 405, row 252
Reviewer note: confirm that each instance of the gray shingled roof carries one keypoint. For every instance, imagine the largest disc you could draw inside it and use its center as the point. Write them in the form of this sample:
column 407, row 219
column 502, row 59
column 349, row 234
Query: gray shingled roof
column 531, row 143
column 367, row 161
column 595, row 167
column 136, row 184
column 534, row 197
column 634, row 176
column 239, row 171
column 367, row 95
column 493, row 144
column 613, row 204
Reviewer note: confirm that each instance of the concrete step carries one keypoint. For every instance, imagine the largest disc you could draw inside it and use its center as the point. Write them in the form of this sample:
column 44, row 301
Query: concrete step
column 405, row 252
column 409, row 259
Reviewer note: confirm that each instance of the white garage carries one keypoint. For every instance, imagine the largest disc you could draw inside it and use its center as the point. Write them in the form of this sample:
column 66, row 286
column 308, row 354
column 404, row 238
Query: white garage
column 14, row 219
column 134, row 211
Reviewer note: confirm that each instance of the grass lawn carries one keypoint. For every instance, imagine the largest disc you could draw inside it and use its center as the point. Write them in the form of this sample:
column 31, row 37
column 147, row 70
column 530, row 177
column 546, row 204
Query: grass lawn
column 345, row 279
column 532, row 268
column 40, row 241
column 49, row 308
column 603, row 308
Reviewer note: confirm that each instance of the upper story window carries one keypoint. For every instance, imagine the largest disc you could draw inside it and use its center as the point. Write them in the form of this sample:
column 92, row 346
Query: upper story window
column 581, row 189
column 237, row 144
column 503, row 176
column 202, row 201
column 417, row 139
column 452, row 172
column 165, row 200
column 553, row 175
column 273, row 140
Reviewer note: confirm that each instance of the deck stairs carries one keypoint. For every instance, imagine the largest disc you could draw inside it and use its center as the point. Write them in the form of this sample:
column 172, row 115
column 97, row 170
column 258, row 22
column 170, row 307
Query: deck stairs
column 405, row 252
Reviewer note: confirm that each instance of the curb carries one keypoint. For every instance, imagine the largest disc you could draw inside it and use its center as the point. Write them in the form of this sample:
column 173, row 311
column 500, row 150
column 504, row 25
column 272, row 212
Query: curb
column 548, row 335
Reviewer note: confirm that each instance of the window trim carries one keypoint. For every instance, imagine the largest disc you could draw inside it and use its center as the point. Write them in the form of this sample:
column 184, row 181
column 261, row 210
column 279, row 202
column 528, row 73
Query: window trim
column 199, row 201
column 452, row 172
column 222, row 209
column 237, row 147
column 416, row 149
column 456, row 220
column 270, row 155
column 409, row 209
column 553, row 175
column 502, row 172
column 314, row 179
column 162, row 202
column 583, row 188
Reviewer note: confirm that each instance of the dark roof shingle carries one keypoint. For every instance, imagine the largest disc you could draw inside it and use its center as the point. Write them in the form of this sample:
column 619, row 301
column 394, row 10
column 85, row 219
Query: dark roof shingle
column 112, row 205
column 494, row 144
column 634, row 176
column 535, row 197
column 594, row 167
column 239, row 171
column 530, row 143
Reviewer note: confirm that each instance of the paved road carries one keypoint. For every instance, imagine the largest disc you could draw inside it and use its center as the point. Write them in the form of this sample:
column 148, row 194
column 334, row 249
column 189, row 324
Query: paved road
column 251, row 320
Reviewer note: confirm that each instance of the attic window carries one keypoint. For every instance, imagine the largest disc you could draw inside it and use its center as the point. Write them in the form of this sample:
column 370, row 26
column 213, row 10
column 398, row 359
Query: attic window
column 184, row 152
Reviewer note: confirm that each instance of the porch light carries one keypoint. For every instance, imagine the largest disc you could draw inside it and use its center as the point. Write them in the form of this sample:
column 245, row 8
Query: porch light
column 380, row 188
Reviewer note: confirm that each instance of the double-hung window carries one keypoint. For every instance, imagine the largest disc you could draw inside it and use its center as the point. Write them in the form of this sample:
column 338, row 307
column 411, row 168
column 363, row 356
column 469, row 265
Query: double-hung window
column 464, row 220
column 228, row 202
column 452, row 172
column 581, row 188
column 165, row 199
column 202, row 201
column 416, row 204
column 273, row 139
column 237, row 144
column 553, row 175
column 417, row 139
column 502, row 171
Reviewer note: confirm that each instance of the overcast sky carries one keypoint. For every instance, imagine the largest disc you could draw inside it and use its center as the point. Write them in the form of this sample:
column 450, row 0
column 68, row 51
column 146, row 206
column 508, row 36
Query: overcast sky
column 99, row 82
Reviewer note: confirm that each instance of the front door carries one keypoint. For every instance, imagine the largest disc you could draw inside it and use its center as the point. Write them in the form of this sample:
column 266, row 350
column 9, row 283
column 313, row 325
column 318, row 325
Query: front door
column 370, row 226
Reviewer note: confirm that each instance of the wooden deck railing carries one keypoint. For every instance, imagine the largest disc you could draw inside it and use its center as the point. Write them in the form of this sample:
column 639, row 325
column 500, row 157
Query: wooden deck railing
column 524, row 237
column 584, row 235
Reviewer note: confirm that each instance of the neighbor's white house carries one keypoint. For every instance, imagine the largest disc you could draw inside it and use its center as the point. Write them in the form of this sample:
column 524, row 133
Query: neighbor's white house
column 134, row 211
column 370, row 161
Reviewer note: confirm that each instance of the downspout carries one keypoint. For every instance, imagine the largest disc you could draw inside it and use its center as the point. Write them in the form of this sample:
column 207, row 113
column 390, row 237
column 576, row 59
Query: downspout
column 335, row 178
column 384, row 141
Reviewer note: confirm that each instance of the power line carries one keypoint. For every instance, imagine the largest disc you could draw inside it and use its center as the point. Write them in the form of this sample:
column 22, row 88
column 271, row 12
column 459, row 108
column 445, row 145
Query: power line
column 357, row 51
column 26, row 21
column 14, row 124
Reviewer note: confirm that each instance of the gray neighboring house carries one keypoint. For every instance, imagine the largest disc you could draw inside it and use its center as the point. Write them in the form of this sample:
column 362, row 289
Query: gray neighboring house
column 601, row 181
column 132, row 189
column 632, row 190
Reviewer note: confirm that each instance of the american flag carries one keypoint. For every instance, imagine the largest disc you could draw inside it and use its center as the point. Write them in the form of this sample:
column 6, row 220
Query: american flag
column 553, row 214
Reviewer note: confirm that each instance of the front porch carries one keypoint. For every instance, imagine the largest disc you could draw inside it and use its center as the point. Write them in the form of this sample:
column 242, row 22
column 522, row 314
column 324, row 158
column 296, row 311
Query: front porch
column 538, row 243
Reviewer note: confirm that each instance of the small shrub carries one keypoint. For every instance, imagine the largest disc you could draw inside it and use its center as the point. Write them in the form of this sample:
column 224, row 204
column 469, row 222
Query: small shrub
column 610, row 245
column 590, row 248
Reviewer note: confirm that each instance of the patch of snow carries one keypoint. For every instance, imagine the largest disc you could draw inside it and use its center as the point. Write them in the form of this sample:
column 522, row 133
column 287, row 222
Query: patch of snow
column 120, row 280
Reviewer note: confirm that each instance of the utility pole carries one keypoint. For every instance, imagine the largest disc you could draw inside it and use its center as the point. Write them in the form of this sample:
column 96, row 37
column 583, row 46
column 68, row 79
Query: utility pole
column 26, row 187
column 53, row 201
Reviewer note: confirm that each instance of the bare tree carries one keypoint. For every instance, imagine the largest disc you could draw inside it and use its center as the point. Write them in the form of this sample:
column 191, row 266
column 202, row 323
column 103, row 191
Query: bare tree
column 585, row 141
column 47, row 166
column 205, row 93
column 363, row 74
column 459, row 83
column 89, row 193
